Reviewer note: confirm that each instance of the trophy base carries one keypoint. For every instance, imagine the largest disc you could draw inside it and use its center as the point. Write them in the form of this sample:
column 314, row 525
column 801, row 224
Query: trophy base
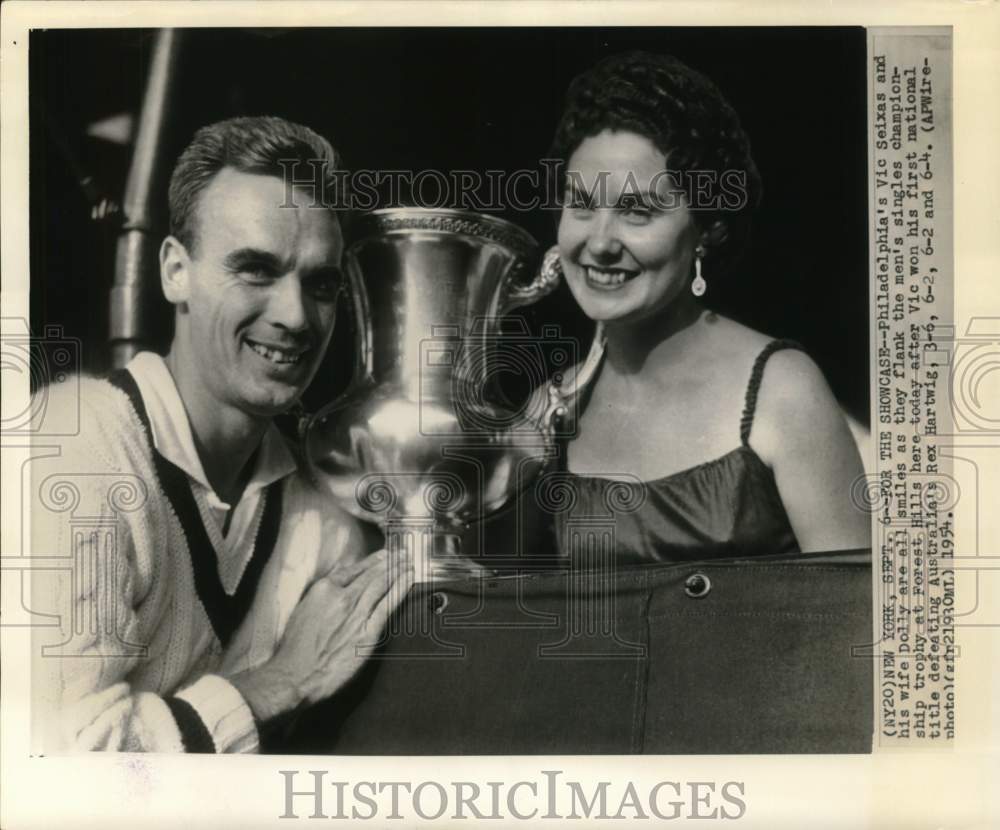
column 450, row 570
column 437, row 552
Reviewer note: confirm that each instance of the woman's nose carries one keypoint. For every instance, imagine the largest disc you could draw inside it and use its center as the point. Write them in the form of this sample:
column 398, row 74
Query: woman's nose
column 603, row 241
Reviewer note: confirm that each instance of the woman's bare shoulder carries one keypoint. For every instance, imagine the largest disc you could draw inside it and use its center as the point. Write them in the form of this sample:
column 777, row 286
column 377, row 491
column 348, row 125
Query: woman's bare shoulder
column 792, row 391
column 801, row 433
column 792, row 377
column 729, row 351
column 795, row 406
column 732, row 337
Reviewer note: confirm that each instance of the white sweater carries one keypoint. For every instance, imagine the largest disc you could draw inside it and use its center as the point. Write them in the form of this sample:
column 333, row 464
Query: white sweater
column 133, row 637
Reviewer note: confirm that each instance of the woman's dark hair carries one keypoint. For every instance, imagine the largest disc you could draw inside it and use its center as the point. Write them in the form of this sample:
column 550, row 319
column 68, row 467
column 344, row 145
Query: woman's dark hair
column 685, row 117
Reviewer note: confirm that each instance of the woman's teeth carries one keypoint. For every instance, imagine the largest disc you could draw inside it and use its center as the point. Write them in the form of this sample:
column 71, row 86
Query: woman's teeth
column 276, row 355
column 607, row 276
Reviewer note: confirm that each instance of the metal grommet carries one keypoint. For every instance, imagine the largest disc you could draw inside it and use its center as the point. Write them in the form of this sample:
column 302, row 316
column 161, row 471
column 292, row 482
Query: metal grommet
column 438, row 602
column 697, row 586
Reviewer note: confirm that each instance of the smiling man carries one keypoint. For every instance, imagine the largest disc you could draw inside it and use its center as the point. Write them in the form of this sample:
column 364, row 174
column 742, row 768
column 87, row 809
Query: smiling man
column 234, row 592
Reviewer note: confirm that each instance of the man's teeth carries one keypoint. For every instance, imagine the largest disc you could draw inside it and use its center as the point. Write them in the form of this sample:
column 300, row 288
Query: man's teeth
column 276, row 355
column 606, row 276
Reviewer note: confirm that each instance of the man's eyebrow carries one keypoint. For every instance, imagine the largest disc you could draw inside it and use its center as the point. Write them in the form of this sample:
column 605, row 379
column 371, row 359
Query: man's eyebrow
column 242, row 257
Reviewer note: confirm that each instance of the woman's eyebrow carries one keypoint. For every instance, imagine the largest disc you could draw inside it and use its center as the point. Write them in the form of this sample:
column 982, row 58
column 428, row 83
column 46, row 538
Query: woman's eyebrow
column 655, row 199
column 647, row 196
column 573, row 188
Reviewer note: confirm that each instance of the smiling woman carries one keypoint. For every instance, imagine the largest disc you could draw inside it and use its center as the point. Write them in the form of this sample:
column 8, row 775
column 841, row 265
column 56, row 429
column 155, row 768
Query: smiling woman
column 636, row 231
column 729, row 441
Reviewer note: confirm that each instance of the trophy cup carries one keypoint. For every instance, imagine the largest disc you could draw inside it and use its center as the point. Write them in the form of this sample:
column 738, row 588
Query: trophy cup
column 420, row 443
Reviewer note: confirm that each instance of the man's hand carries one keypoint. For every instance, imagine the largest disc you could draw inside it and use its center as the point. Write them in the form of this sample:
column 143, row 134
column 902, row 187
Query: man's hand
column 331, row 632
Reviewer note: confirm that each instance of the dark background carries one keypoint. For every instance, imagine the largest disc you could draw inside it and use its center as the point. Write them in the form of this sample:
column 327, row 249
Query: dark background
column 478, row 99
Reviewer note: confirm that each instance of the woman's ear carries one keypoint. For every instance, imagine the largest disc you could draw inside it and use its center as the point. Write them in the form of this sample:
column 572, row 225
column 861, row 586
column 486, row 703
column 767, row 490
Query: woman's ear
column 175, row 267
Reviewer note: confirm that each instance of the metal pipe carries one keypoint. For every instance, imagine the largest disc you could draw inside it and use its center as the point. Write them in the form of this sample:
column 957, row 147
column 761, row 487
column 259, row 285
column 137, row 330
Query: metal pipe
column 136, row 284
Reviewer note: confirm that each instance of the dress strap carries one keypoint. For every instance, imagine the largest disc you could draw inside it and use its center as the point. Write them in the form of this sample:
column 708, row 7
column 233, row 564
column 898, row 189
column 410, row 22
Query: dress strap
column 750, row 404
column 123, row 381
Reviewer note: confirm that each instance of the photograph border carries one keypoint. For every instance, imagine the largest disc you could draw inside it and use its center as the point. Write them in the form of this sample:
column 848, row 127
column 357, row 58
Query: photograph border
column 916, row 786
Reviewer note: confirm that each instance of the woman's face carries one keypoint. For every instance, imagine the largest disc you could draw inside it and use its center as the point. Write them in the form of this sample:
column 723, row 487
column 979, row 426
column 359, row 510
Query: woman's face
column 627, row 244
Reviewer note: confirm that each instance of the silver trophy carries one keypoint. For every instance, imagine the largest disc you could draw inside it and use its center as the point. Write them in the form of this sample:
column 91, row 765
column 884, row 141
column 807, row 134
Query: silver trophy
column 422, row 442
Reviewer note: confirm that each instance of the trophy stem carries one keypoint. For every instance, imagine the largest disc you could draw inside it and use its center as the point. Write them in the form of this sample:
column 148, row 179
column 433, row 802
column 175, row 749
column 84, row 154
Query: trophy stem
column 436, row 551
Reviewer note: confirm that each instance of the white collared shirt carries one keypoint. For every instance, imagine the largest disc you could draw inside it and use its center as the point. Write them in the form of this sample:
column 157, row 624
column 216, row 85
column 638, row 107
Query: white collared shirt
column 173, row 439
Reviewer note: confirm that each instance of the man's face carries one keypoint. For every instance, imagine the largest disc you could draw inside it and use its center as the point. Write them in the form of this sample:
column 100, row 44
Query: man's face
column 259, row 291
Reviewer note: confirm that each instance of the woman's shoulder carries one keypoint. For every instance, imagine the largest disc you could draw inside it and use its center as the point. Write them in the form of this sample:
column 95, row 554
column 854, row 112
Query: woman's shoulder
column 732, row 337
column 785, row 390
column 787, row 367
column 791, row 403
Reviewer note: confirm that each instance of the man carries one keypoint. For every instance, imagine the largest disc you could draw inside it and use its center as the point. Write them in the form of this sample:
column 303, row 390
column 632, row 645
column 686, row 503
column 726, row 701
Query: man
column 233, row 592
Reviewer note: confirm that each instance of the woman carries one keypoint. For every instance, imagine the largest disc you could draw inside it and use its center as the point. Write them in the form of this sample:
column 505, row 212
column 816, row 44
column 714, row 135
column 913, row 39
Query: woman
column 726, row 441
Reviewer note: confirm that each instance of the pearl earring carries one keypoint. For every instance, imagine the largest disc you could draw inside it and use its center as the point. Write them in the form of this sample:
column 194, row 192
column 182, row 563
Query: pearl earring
column 698, row 286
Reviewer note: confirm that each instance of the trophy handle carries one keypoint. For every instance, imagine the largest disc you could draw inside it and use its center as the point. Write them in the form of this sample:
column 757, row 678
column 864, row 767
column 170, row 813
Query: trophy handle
column 560, row 395
column 563, row 395
column 514, row 295
column 361, row 319
column 357, row 299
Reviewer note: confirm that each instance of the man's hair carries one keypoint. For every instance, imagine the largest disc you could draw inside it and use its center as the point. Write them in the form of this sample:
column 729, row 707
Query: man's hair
column 686, row 118
column 256, row 144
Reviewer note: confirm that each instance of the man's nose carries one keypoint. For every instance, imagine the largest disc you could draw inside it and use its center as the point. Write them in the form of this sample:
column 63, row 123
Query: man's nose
column 287, row 306
column 602, row 241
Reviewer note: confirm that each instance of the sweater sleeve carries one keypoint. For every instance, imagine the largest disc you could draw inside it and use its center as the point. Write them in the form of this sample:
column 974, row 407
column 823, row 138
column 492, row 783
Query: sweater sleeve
column 84, row 660
column 89, row 704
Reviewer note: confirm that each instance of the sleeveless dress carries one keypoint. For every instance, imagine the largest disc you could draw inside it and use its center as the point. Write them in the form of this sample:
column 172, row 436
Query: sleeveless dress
column 727, row 507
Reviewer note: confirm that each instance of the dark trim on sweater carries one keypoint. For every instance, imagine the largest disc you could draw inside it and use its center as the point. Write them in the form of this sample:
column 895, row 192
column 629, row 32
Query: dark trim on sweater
column 194, row 734
column 226, row 613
